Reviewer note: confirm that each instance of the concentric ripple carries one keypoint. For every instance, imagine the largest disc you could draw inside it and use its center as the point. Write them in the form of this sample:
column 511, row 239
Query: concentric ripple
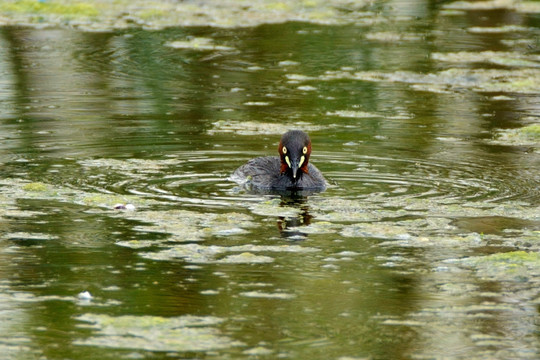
column 442, row 180
column 202, row 178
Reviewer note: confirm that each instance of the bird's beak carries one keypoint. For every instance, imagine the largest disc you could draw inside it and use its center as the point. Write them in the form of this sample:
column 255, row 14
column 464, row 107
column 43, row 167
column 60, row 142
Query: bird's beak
column 294, row 167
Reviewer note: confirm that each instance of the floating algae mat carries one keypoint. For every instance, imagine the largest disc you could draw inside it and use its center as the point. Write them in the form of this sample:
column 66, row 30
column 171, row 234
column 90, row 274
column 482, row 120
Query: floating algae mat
column 186, row 225
column 16, row 189
column 99, row 15
column 207, row 254
column 514, row 265
column 526, row 136
column 255, row 128
column 481, row 80
column 154, row 333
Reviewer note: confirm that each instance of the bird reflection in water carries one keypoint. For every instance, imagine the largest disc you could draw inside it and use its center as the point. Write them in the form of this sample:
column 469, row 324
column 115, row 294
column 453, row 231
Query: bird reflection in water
column 291, row 227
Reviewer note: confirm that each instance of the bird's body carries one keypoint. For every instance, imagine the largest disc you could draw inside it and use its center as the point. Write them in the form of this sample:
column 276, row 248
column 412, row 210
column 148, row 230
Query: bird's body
column 289, row 171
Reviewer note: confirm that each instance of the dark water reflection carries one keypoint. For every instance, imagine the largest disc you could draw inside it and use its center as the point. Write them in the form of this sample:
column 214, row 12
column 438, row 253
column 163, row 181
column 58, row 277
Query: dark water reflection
column 425, row 245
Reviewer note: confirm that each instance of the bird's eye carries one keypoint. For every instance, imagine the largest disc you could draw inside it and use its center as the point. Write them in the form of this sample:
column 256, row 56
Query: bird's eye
column 284, row 150
column 304, row 150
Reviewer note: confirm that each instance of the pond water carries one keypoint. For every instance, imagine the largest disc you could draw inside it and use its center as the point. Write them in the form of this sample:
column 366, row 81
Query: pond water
column 121, row 236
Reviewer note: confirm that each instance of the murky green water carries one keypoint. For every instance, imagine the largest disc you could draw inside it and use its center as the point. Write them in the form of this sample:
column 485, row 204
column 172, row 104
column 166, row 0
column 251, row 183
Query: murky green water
column 423, row 117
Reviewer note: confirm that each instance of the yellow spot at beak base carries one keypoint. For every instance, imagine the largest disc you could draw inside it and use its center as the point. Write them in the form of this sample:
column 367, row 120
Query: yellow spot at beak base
column 288, row 161
column 301, row 161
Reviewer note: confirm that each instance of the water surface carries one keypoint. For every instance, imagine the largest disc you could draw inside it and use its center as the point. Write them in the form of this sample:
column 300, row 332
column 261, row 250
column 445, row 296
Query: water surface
column 122, row 236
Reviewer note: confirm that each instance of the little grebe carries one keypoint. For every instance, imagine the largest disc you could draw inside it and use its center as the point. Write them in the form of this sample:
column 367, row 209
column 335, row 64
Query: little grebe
column 290, row 171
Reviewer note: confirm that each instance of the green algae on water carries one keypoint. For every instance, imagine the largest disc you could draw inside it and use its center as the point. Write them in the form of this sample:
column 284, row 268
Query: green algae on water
column 103, row 200
column 245, row 258
column 133, row 166
column 524, row 81
column 498, row 30
column 24, row 236
column 392, row 37
column 258, row 128
column 186, row 225
column 319, row 227
column 345, row 210
column 102, row 15
column 353, row 114
column 274, row 207
column 519, row 6
column 207, row 254
column 258, row 351
column 513, row 258
column 155, row 333
column 531, row 131
column 36, row 187
column 50, row 7
column 376, row 230
column 198, row 43
column 515, row 265
column 265, row 295
column 152, row 14
column 20, row 189
column 503, row 58
column 526, row 136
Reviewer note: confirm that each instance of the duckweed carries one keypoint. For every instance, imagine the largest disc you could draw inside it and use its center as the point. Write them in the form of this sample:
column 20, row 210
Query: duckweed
column 258, row 351
column 527, row 135
column 196, row 253
column 392, row 37
column 258, row 128
column 532, row 131
column 514, row 266
column 51, row 7
column 510, row 59
column 480, row 80
column 260, row 294
column 29, row 236
column 520, row 6
column 152, row 14
column 156, row 14
column 130, row 166
column 103, row 200
column 275, row 208
column 497, row 30
column 245, row 258
column 19, row 189
column 403, row 236
column 513, row 258
column 198, row 43
column 36, row 186
column 185, row 225
column 155, row 333
column 352, row 114
column 319, row 227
